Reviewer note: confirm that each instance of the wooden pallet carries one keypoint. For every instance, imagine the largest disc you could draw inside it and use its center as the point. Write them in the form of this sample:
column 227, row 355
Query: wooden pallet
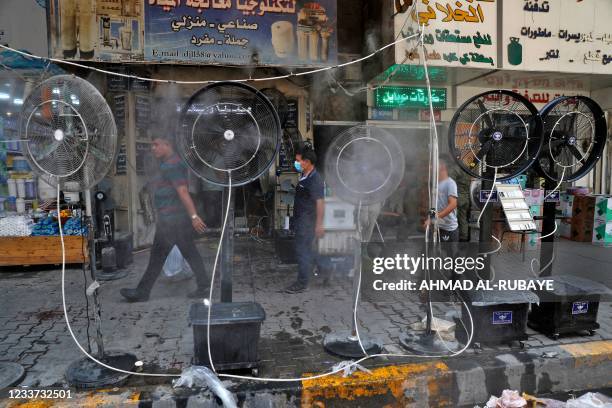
column 27, row 251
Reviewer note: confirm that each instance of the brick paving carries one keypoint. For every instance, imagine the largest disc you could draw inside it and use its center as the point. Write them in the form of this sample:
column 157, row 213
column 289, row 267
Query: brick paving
column 33, row 332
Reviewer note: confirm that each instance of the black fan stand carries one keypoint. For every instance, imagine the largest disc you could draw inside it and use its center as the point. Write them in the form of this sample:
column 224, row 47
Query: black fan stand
column 86, row 373
column 427, row 342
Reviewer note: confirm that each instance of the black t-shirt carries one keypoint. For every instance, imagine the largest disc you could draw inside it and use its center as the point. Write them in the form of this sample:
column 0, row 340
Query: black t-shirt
column 307, row 192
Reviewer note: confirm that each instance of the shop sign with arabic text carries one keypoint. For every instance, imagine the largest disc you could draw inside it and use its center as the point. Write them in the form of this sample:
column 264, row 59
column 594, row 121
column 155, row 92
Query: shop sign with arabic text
column 558, row 35
column 457, row 33
column 242, row 32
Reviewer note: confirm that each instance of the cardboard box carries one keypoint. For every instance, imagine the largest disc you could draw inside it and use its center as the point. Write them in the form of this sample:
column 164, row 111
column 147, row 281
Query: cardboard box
column 602, row 233
column 565, row 205
column 564, row 229
column 583, row 217
column 603, row 208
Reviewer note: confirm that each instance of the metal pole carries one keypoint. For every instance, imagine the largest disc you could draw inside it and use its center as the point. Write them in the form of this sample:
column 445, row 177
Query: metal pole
column 548, row 226
column 485, row 230
column 92, row 270
column 227, row 265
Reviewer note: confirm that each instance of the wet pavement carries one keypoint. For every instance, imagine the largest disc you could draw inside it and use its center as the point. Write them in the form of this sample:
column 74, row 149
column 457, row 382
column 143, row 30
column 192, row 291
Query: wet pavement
column 33, row 332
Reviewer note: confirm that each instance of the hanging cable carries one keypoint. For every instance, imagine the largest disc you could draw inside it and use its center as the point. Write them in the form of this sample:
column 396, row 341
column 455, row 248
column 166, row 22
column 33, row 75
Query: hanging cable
column 182, row 82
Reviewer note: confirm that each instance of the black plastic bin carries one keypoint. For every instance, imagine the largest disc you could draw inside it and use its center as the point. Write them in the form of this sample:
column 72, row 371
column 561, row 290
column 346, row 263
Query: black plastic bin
column 234, row 334
column 570, row 308
column 284, row 245
column 499, row 317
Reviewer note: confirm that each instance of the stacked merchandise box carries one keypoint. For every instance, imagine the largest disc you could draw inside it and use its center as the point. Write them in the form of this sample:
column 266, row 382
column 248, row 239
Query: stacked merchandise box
column 534, row 197
column 510, row 242
column 583, row 216
column 564, row 209
column 602, row 222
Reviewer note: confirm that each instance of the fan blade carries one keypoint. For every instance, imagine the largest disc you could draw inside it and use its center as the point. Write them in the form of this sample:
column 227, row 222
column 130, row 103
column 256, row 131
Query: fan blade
column 576, row 153
column 569, row 128
column 487, row 118
column 484, row 149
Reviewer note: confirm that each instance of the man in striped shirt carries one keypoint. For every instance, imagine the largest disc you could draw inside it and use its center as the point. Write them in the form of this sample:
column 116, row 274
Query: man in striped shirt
column 177, row 221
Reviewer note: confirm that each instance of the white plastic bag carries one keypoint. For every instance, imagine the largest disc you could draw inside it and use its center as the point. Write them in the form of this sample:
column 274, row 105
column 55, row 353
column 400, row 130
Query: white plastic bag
column 590, row 400
column 176, row 267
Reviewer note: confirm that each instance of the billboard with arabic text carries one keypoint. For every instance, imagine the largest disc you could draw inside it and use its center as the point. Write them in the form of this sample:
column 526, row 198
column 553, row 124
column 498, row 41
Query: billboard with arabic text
column 558, row 35
column 461, row 33
column 242, row 32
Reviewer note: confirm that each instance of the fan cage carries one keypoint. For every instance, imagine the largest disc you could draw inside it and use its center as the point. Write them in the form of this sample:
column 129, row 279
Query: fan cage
column 575, row 135
column 229, row 133
column 496, row 132
column 68, row 133
column 364, row 165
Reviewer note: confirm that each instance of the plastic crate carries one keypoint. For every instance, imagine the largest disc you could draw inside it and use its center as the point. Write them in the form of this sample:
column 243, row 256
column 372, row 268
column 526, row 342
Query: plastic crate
column 234, row 334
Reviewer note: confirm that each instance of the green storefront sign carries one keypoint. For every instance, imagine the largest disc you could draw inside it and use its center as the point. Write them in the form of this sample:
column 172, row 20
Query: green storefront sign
column 409, row 97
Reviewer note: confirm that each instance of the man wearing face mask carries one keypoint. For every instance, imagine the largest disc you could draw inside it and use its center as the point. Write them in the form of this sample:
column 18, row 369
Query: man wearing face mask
column 308, row 210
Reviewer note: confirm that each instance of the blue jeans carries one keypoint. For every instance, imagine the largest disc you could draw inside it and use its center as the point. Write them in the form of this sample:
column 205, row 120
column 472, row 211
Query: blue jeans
column 304, row 239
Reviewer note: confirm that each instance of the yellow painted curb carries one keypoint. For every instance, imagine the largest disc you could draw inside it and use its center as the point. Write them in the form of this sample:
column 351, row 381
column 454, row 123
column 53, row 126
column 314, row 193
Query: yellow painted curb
column 393, row 386
column 589, row 354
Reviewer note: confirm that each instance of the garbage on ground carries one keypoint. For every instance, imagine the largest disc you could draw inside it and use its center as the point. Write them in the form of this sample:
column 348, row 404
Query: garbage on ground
column 508, row 399
column 590, row 400
column 200, row 376
column 349, row 367
column 445, row 328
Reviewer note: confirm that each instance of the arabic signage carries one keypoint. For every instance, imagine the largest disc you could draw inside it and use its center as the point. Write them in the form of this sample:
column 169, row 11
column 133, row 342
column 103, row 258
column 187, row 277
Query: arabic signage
column 267, row 32
column 103, row 30
column 408, row 97
column 539, row 97
column 558, row 35
column 457, row 33
column 235, row 32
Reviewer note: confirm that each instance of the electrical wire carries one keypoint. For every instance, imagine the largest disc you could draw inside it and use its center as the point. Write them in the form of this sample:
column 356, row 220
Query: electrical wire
column 212, row 277
column 67, row 318
column 182, row 82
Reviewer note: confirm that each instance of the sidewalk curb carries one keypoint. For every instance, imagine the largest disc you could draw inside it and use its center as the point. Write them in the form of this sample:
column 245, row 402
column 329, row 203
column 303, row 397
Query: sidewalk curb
column 431, row 383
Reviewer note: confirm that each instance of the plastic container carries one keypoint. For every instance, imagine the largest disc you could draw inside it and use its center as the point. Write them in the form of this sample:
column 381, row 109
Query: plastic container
column 21, row 191
column 284, row 243
column 45, row 191
column 12, row 187
column 499, row 317
column 11, row 204
column 20, row 164
column 30, row 188
column 234, row 334
column 20, row 205
column 570, row 308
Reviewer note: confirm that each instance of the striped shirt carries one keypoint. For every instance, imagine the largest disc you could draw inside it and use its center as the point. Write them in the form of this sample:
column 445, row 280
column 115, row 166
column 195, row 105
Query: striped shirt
column 172, row 174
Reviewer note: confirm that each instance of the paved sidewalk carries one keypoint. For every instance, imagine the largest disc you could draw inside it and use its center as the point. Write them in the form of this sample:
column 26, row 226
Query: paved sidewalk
column 33, row 332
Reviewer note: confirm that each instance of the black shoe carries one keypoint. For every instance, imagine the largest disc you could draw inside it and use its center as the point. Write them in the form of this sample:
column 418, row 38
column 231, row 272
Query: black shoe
column 199, row 293
column 297, row 287
column 134, row 295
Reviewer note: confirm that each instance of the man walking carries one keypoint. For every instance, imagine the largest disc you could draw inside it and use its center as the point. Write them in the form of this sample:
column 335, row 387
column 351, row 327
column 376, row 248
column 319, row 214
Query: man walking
column 446, row 210
column 177, row 220
column 308, row 213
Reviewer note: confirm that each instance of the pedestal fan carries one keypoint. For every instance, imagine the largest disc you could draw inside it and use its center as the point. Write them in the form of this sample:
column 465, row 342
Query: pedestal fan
column 574, row 139
column 494, row 136
column 364, row 165
column 229, row 135
column 68, row 135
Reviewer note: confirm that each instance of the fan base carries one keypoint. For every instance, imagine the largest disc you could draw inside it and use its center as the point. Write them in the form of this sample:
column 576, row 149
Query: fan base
column 10, row 374
column 86, row 373
column 344, row 345
column 423, row 343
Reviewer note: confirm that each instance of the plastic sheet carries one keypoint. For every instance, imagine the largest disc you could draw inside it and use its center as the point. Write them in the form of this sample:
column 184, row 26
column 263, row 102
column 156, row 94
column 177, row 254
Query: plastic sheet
column 200, row 376
column 348, row 368
column 176, row 267
column 590, row 400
